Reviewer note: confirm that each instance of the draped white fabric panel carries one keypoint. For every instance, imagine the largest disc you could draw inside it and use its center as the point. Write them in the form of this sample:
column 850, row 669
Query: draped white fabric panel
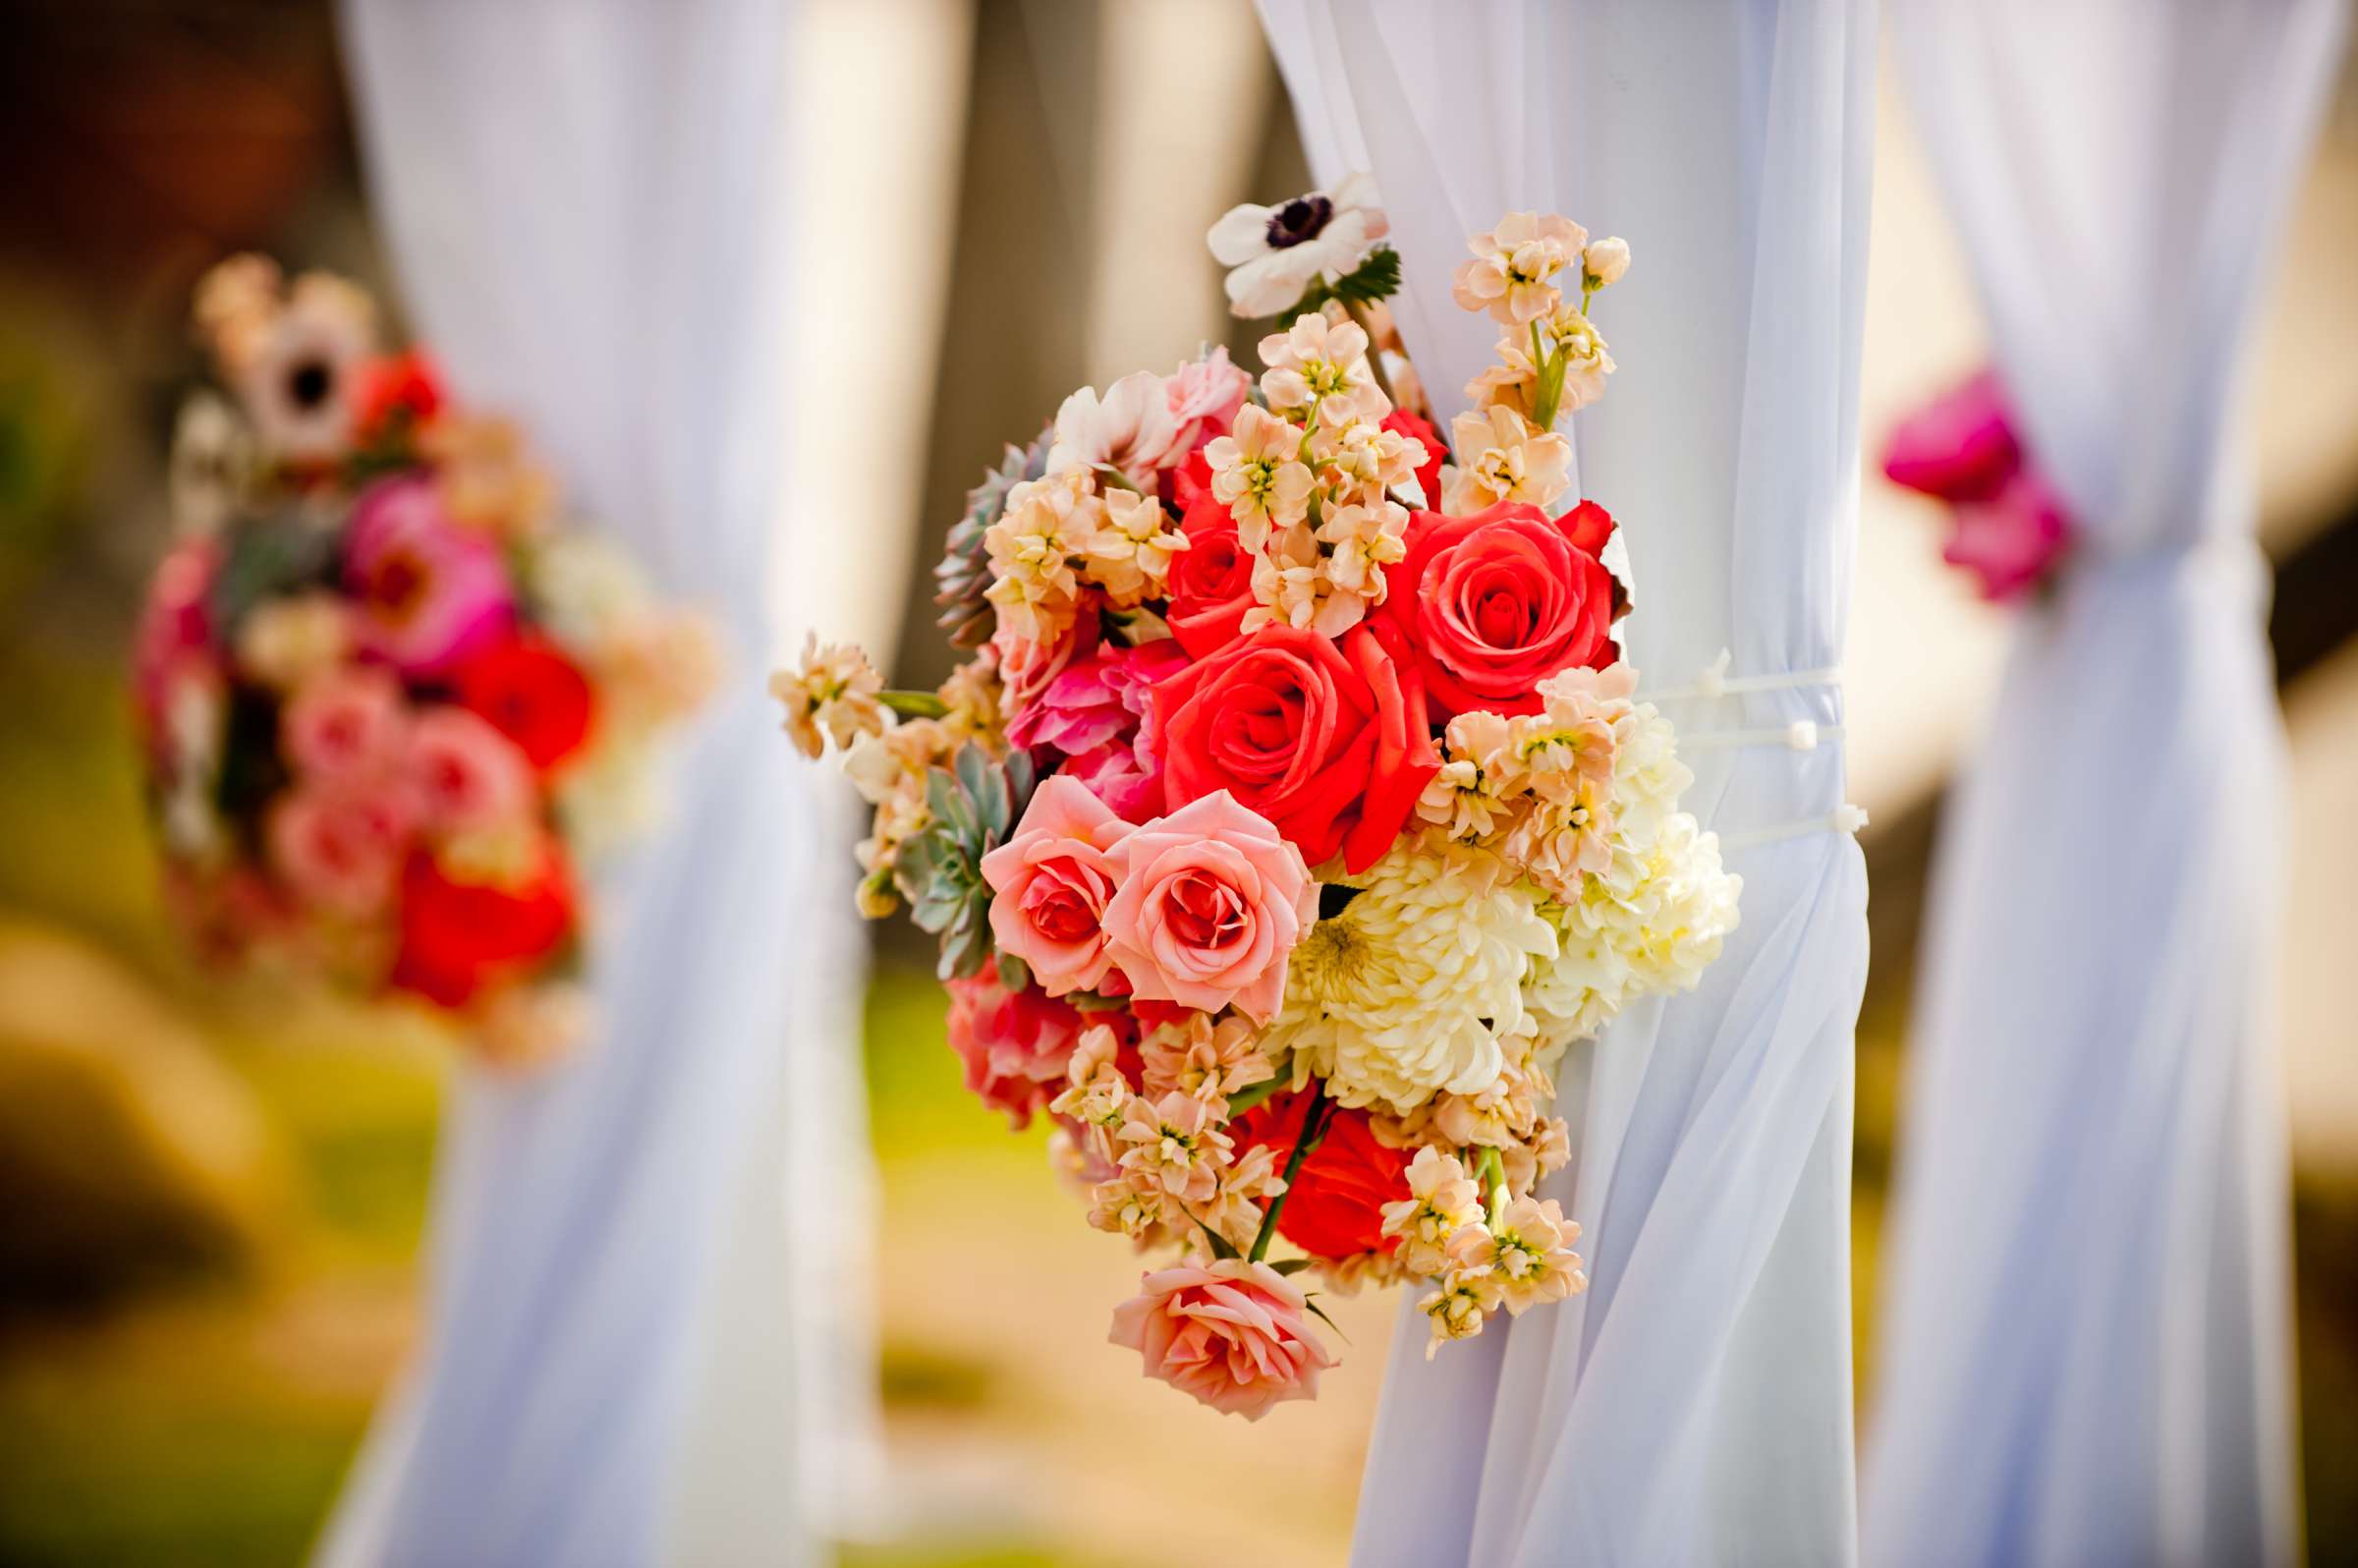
column 1694, row 1407
column 583, row 200
column 2086, row 1356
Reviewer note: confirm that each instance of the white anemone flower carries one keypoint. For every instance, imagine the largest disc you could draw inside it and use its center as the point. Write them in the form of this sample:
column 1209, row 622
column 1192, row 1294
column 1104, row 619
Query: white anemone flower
column 1273, row 253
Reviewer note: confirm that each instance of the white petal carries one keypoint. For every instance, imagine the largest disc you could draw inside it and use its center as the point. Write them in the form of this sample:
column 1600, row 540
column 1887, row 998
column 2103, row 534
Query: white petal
column 1266, row 286
column 1242, row 234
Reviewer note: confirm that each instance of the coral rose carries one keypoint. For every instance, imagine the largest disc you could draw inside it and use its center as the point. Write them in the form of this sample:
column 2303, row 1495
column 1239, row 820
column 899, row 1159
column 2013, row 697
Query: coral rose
column 1051, row 882
column 460, row 937
column 532, row 694
column 1329, row 741
column 1211, row 900
column 1212, row 581
column 1015, row 1044
column 1496, row 602
column 1335, row 1208
column 1235, row 1335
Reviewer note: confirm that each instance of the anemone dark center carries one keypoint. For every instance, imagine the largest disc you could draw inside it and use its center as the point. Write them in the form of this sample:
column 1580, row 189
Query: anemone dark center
column 1302, row 218
column 308, row 384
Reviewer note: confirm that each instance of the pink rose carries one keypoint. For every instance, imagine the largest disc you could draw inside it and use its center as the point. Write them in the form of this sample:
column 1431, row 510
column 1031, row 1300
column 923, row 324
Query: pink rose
column 1205, row 395
column 1015, row 1044
column 340, row 849
column 1959, row 447
column 1236, row 1336
column 1096, row 700
column 345, row 725
column 463, row 773
column 429, row 589
column 1123, row 774
column 1211, row 900
column 1026, row 668
column 1051, row 882
column 2011, row 541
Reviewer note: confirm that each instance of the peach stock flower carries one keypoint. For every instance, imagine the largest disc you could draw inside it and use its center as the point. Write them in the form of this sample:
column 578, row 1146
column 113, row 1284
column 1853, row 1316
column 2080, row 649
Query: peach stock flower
column 1211, row 901
column 830, row 693
column 1319, row 365
column 1233, row 1334
column 1256, row 472
column 1512, row 263
column 1441, row 1200
column 1505, row 457
column 1052, row 882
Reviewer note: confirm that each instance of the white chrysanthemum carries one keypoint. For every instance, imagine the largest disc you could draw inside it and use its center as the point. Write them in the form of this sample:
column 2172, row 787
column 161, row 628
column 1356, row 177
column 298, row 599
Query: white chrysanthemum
column 1416, row 986
column 1651, row 921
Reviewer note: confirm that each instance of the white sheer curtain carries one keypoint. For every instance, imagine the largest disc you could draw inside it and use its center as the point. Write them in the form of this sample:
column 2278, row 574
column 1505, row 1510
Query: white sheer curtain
column 583, row 199
column 2086, row 1356
column 1694, row 1407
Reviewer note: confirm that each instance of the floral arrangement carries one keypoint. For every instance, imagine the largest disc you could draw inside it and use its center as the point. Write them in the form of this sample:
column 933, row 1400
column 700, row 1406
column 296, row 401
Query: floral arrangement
column 1293, row 812
column 2008, row 525
column 386, row 702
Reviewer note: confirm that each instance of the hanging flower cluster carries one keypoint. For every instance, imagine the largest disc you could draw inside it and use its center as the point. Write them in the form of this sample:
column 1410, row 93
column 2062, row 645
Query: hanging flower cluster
column 2008, row 525
column 1294, row 813
column 387, row 703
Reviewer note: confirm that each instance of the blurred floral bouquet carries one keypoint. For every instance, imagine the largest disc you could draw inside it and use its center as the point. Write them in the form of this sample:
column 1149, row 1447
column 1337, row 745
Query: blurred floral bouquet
column 385, row 702
column 1294, row 811
column 2007, row 523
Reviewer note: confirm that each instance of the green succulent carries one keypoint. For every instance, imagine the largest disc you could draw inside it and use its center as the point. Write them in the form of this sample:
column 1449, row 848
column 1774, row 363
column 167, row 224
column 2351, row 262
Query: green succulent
column 975, row 805
column 963, row 576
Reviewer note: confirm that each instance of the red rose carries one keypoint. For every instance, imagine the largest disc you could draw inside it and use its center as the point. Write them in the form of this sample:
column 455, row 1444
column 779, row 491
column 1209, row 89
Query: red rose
column 1402, row 422
column 392, row 388
column 1335, row 1206
column 1212, row 581
column 1329, row 743
column 532, row 694
column 458, row 936
column 1189, row 482
column 1496, row 602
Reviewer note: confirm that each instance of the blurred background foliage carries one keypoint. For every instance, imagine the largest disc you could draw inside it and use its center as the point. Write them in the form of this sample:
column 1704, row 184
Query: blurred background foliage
column 213, row 1194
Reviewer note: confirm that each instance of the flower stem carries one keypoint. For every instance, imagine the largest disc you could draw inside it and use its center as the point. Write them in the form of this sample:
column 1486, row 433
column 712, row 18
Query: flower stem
column 1314, row 1122
column 1493, row 1181
column 1357, row 312
column 914, row 704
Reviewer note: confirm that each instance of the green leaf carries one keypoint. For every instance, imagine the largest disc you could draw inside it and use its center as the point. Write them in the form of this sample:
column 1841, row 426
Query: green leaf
column 1375, row 278
column 952, row 807
column 1292, row 1266
column 1092, row 1002
column 1324, row 1319
column 1251, row 1095
column 1014, row 973
column 1221, row 1246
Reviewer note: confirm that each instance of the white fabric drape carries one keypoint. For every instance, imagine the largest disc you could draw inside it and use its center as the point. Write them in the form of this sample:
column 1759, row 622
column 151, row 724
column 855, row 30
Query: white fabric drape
column 1694, row 1406
column 2086, row 1356
column 583, row 199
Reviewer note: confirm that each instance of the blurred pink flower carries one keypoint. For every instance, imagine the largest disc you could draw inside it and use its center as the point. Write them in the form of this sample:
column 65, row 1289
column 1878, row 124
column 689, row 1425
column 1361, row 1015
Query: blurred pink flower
column 429, row 589
column 1236, row 1336
column 1211, row 901
column 1015, row 1044
column 175, row 623
column 1051, row 882
column 1959, row 447
column 463, row 775
column 1027, row 669
column 345, row 726
column 340, row 850
column 2011, row 541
